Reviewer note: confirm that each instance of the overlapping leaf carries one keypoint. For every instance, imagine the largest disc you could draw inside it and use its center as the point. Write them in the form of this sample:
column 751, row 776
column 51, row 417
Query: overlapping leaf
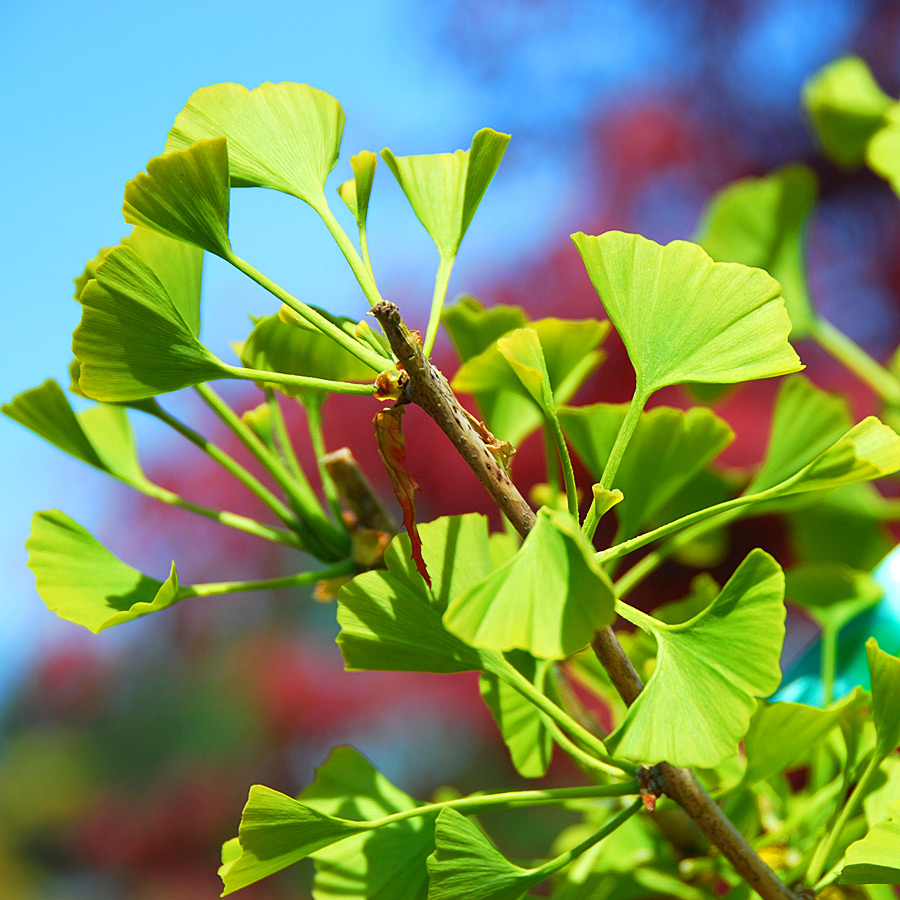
column 684, row 318
column 473, row 327
column 876, row 858
column 135, row 340
column 100, row 436
column 549, row 599
column 885, row 672
column 668, row 450
column 697, row 705
column 390, row 619
column 355, row 192
column 883, row 151
column 284, row 136
column 184, row 196
column 82, row 582
column 846, row 107
column 444, row 189
column 762, row 222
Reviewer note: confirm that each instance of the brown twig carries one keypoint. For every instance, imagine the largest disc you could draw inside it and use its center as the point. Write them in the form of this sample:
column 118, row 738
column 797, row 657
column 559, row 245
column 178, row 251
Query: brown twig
column 428, row 388
column 356, row 492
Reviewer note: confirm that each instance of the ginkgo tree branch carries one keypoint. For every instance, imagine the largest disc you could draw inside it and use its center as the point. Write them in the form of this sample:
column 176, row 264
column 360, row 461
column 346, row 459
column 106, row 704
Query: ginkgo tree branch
column 425, row 386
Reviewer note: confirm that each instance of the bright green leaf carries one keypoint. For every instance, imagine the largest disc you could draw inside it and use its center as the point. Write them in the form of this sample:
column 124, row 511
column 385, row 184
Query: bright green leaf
column 667, row 452
column 276, row 831
column 473, row 327
column 697, row 705
column 100, row 436
column 82, row 582
column 465, row 865
column 391, row 620
column 523, row 727
column 134, row 341
column 444, row 189
column 549, row 599
column 684, row 318
column 885, row 671
column 883, row 152
column 284, row 136
column 846, row 106
column 355, row 192
column 299, row 349
column 876, row 858
column 762, row 222
column 184, row 196
column 383, row 864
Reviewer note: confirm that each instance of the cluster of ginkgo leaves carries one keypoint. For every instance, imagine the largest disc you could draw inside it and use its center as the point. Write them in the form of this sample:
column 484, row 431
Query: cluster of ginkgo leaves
column 523, row 613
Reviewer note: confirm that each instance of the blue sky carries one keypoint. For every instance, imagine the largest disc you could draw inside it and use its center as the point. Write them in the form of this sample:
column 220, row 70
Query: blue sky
column 90, row 90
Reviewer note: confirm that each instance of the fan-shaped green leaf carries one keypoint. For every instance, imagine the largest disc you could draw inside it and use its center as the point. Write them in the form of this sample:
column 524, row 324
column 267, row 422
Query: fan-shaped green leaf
column 832, row 593
column 883, row 152
column 520, row 722
column 391, row 620
column 284, row 136
column 383, row 864
column 82, row 582
column 298, row 349
column 684, row 318
column 762, row 222
column 473, row 327
column 846, row 107
column 667, row 452
column 184, row 196
column 697, row 705
column 276, row 831
column 355, row 192
column 876, row 858
column 100, row 436
column 444, row 189
column 885, row 672
column 465, row 865
column 549, row 599
column 134, row 341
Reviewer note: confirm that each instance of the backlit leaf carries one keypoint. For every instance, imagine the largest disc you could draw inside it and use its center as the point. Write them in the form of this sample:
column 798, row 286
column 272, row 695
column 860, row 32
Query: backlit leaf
column 668, row 450
column 355, row 192
column 885, row 672
column 762, row 222
column 473, row 327
column 284, row 136
column 697, row 705
column 549, row 599
column 883, row 153
column 846, row 107
column 444, row 189
column 876, row 858
column 684, row 318
column 184, row 196
column 82, row 582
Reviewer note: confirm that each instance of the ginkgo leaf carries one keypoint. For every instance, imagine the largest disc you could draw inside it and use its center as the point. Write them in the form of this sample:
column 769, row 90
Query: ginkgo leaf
column 100, row 436
column 668, row 450
column 883, row 151
column 565, row 351
column 184, row 196
column 82, row 582
column 846, row 107
column 134, row 341
column 522, row 725
column 465, row 864
column 298, row 349
column 377, row 865
column 832, row 593
column 444, row 189
column 549, row 599
column 684, row 318
column 885, row 672
column 284, row 136
column 762, row 222
column 473, row 327
column 697, row 705
column 355, row 192
column 392, row 620
column 277, row 831
column 876, row 858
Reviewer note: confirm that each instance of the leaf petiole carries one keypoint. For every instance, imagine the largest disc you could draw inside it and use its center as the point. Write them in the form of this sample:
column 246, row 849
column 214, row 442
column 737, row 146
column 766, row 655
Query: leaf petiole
column 346, row 567
column 441, row 283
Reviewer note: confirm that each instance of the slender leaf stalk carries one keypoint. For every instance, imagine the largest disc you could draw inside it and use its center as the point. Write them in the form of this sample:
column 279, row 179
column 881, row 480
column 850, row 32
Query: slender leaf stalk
column 229, row 519
column 854, row 358
column 288, row 581
column 566, row 463
column 300, row 381
column 585, row 760
column 317, row 439
column 550, row 458
column 477, row 803
column 282, row 438
column 441, row 283
column 827, row 844
column 231, row 465
column 829, row 663
column 322, row 536
column 362, row 352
